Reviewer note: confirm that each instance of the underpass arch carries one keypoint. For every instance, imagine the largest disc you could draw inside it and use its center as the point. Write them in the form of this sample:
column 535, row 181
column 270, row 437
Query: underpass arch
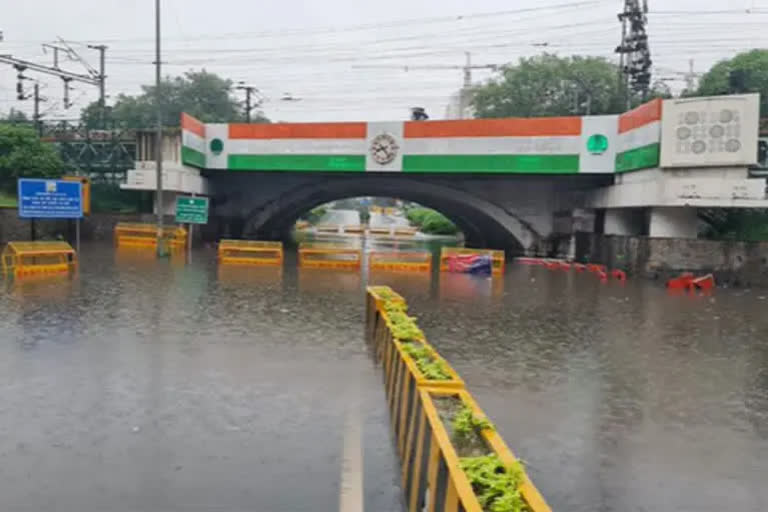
column 484, row 223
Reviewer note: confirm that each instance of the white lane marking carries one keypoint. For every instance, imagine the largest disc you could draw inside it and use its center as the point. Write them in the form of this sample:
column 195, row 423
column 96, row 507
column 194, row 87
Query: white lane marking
column 351, row 488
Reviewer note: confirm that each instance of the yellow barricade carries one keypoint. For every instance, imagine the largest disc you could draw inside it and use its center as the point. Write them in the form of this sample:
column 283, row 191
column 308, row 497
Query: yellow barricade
column 497, row 257
column 327, row 228
column 431, row 459
column 316, row 256
column 145, row 235
column 420, row 261
column 406, row 231
column 38, row 258
column 355, row 229
column 380, row 230
column 250, row 252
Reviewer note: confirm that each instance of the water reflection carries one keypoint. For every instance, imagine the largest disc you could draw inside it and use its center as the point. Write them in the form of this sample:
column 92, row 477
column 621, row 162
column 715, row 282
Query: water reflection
column 469, row 288
column 619, row 397
column 324, row 281
column 245, row 276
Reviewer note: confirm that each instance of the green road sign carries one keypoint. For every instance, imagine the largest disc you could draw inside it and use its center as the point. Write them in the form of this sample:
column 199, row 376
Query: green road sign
column 191, row 210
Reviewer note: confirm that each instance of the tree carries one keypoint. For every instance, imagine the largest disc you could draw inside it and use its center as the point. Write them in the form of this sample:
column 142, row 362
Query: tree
column 16, row 116
column 750, row 67
column 23, row 155
column 548, row 85
column 201, row 94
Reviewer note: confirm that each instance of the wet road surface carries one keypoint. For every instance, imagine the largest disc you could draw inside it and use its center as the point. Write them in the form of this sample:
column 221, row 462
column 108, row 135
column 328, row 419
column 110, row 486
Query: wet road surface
column 146, row 385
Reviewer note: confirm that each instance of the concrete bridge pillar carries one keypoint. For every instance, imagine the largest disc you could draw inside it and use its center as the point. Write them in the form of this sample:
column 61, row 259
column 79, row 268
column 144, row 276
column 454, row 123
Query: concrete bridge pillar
column 673, row 222
column 624, row 221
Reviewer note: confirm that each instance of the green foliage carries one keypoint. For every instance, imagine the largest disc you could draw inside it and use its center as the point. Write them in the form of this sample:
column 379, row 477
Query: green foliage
column 109, row 197
column 431, row 222
column 548, row 85
column 430, row 366
column 466, row 426
column 16, row 116
column 404, row 327
column 754, row 65
column 314, row 215
column 496, row 486
column 740, row 224
column 204, row 95
column 416, row 216
column 23, row 155
column 365, row 215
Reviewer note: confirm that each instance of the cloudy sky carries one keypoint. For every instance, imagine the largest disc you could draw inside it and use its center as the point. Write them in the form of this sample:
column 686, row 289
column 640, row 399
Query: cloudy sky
column 346, row 59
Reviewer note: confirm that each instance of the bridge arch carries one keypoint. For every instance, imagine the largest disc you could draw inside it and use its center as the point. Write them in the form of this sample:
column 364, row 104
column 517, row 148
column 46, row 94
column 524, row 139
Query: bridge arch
column 484, row 223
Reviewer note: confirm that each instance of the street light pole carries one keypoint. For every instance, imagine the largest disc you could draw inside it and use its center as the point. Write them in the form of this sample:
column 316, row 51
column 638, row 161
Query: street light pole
column 159, row 135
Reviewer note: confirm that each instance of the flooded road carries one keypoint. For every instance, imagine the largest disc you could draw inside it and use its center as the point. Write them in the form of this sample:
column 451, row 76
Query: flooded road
column 160, row 385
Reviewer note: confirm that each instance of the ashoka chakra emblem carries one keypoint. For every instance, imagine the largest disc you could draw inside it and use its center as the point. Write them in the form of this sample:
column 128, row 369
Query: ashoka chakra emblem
column 384, row 149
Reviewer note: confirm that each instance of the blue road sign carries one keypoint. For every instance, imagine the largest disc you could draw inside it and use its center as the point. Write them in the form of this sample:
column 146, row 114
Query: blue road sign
column 50, row 199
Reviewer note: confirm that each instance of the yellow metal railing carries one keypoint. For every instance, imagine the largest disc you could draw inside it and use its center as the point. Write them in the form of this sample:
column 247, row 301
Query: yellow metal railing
column 317, row 256
column 432, row 475
column 145, row 235
column 497, row 257
column 355, row 229
column 35, row 258
column 416, row 261
column 250, row 252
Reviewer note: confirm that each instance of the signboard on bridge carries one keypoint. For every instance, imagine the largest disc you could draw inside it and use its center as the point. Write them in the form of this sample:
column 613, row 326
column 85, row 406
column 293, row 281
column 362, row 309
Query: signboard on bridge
column 710, row 131
column 191, row 210
column 50, row 199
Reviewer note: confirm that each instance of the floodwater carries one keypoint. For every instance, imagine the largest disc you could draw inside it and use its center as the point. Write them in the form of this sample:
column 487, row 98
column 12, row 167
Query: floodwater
column 146, row 385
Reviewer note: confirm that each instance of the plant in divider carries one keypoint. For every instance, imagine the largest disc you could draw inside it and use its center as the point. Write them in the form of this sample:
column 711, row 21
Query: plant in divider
column 383, row 292
column 403, row 327
column 496, row 485
column 466, row 426
column 430, row 366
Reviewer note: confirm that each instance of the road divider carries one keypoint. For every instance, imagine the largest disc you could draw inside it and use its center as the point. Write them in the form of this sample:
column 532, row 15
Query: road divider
column 145, row 235
column 404, row 261
column 452, row 458
column 22, row 259
column 250, row 252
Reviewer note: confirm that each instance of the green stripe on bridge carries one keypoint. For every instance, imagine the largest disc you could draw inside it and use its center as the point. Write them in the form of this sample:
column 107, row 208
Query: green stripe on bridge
column 638, row 158
column 321, row 163
column 192, row 157
column 501, row 164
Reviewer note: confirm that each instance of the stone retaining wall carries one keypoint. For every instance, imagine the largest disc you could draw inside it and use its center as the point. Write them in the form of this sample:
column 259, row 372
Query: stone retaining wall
column 733, row 263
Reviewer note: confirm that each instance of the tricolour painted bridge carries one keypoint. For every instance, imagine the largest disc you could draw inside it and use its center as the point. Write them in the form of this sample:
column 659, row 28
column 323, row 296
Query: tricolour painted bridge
column 508, row 183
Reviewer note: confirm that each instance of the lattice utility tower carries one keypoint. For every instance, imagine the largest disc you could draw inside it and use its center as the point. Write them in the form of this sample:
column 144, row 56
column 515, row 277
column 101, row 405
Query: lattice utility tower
column 635, row 54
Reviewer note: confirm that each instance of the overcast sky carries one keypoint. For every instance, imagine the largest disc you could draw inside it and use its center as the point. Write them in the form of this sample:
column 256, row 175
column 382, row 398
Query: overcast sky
column 314, row 50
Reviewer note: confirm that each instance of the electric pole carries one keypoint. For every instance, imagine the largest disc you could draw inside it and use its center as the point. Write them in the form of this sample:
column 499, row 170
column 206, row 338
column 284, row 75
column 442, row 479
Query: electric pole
column 92, row 78
column 249, row 90
column 465, row 94
column 635, row 55
column 102, row 49
column 36, row 117
column 159, row 134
